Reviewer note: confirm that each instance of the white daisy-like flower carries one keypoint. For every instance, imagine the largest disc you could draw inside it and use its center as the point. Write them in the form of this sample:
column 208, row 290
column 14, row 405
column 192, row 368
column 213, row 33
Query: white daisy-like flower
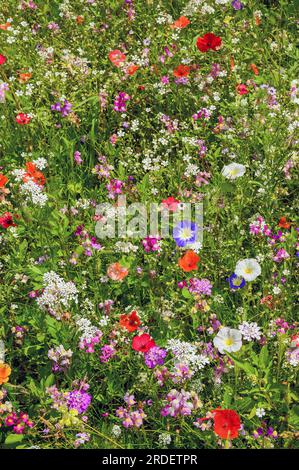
column 228, row 340
column 248, row 268
column 233, row 171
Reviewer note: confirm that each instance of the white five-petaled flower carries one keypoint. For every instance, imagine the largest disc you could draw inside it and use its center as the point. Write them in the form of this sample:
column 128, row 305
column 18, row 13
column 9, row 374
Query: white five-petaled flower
column 260, row 412
column 233, row 171
column 248, row 268
column 228, row 340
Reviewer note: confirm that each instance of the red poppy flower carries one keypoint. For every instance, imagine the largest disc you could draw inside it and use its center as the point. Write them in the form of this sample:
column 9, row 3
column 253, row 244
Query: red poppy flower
column 34, row 174
column 2, row 59
column 170, row 203
column 226, row 424
column 189, row 261
column 208, row 41
column 132, row 69
column 143, row 343
column 3, row 180
column 181, row 71
column 130, row 322
column 283, row 223
column 181, row 23
column 242, row 89
column 23, row 119
column 117, row 57
column 6, row 220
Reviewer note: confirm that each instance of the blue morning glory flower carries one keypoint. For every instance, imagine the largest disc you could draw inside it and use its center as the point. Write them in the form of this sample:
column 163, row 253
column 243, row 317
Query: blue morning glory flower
column 236, row 282
column 185, row 233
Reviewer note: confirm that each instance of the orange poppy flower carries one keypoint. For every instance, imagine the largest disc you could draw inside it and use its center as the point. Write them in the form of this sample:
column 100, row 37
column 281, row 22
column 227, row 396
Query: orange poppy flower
column 34, row 174
column 188, row 262
column 254, row 69
column 132, row 69
column 5, row 372
column 283, row 223
column 232, row 63
column 181, row 23
column 130, row 322
column 3, row 180
column 117, row 272
column 5, row 26
column 24, row 77
column 80, row 19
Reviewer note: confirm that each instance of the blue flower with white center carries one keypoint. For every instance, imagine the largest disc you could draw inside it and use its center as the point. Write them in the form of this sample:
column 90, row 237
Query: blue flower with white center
column 236, row 282
column 185, row 233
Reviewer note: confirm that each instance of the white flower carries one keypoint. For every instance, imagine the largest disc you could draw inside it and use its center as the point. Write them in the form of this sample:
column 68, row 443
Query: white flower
column 228, row 339
column 248, row 268
column 233, row 171
column 260, row 412
column 250, row 331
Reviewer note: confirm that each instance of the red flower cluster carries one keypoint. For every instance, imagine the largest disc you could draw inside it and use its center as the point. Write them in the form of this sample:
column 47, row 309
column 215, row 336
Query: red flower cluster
column 208, row 41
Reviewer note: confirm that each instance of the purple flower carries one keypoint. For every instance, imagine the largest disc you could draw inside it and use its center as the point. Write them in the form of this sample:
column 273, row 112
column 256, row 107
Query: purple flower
column 154, row 357
column 120, row 102
column 78, row 400
column 64, row 109
column 77, row 157
column 237, row 5
column 200, row 286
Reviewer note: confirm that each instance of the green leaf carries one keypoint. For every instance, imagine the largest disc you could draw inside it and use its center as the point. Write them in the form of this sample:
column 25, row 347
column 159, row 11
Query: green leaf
column 13, row 438
column 186, row 293
column 244, row 365
column 264, row 358
column 294, row 417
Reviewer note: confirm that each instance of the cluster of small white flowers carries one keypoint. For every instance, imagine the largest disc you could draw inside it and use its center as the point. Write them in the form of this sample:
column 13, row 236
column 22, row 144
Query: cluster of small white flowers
column 164, row 439
column 250, row 331
column 186, row 353
column 18, row 174
column 125, row 247
column 56, row 293
column 40, row 163
column 87, row 329
column 116, row 431
column 33, row 193
column 207, row 9
column 191, row 7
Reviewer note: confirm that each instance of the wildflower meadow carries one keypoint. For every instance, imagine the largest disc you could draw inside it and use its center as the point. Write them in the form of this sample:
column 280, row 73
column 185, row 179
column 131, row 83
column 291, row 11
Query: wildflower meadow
column 148, row 237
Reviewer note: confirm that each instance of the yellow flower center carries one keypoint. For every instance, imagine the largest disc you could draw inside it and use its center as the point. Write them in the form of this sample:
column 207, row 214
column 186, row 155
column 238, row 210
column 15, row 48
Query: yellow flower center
column 186, row 233
column 248, row 270
column 228, row 342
